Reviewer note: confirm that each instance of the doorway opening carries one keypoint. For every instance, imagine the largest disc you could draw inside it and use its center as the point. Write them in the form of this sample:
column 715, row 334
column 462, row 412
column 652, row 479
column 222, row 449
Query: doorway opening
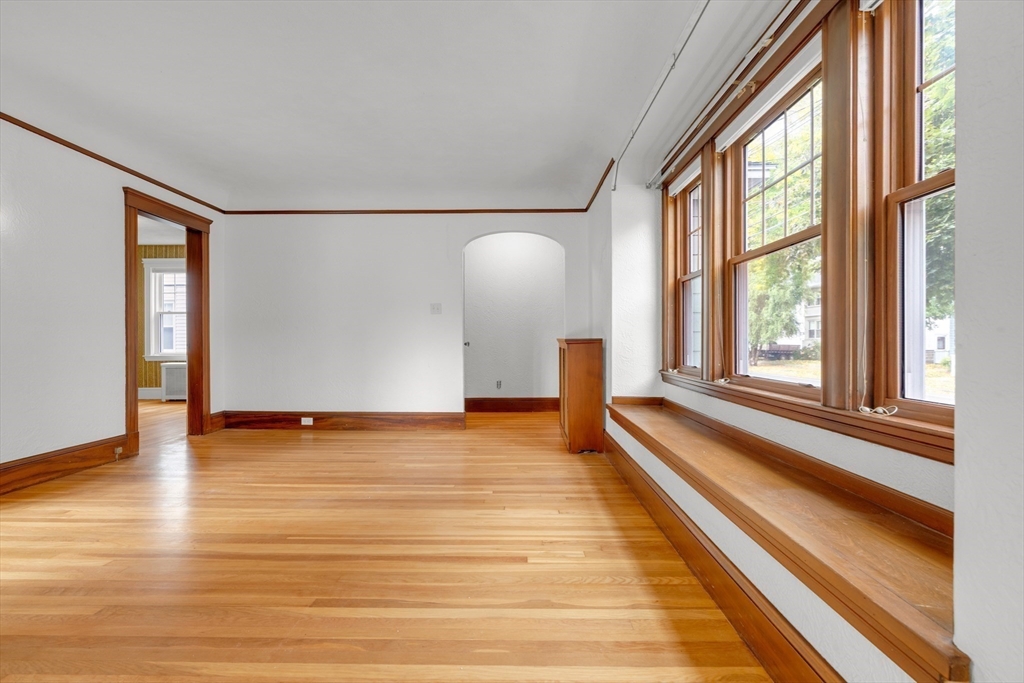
column 167, row 338
column 514, row 286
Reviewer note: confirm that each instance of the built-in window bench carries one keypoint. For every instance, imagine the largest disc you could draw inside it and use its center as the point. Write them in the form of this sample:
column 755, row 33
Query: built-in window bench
column 882, row 560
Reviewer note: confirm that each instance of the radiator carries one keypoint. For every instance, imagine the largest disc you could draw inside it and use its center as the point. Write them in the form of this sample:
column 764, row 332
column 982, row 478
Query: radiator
column 174, row 381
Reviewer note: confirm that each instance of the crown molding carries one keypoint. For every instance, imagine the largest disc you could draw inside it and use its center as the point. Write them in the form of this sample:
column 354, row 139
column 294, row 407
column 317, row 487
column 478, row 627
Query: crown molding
column 289, row 212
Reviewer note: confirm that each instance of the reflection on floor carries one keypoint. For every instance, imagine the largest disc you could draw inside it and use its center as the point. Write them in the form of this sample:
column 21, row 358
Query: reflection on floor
column 484, row 554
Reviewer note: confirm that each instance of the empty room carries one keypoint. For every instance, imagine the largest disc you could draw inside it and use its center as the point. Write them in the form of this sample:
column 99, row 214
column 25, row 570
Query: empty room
column 613, row 341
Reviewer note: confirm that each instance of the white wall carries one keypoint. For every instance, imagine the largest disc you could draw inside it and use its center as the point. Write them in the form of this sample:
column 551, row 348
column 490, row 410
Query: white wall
column 62, row 345
column 636, row 291
column 988, row 569
column 514, row 310
column 345, row 324
column 599, row 230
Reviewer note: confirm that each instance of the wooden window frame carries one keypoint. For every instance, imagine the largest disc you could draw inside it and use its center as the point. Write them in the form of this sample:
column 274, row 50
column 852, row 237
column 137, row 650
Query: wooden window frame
column 863, row 164
column 899, row 178
column 735, row 244
column 684, row 268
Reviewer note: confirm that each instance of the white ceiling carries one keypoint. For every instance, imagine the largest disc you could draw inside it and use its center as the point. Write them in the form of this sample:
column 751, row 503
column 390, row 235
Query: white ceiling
column 156, row 231
column 367, row 104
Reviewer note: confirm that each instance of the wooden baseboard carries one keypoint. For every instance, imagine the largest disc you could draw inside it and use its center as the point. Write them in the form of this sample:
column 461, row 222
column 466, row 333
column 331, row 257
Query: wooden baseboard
column 18, row 474
column 512, row 405
column 215, row 423
column 638, row 400
column 240, row 419
column 783, row 652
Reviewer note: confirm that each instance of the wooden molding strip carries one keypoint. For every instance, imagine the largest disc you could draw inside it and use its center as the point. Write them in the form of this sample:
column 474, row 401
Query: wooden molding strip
column 252, row 419
column 386, row 212
column 161, row 209
column 922, row 512
column 600, row 184
column 102, row 159
column 782, row 650
column 889, row 577
column 926, row 440
column 512, row 405
column 288, row 212
column 18, row 474
column 637, row 400
column 215, row 423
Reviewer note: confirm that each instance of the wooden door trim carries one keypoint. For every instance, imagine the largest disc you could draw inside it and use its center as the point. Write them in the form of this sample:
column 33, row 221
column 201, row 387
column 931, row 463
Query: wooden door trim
column 197, row 268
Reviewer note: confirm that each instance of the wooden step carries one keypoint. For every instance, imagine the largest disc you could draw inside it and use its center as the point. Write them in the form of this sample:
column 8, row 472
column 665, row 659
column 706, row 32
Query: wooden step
column 889, row 576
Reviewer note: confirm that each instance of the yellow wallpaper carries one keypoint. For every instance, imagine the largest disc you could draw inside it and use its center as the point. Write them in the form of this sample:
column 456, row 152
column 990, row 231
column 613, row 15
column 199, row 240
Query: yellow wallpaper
column 149, row 373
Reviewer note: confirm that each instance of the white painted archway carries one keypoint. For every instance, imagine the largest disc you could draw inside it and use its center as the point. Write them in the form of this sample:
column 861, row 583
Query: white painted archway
column 514, row 311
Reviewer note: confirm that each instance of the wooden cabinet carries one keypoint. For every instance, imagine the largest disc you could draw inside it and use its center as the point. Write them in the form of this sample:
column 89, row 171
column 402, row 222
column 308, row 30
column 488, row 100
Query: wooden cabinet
column 581, row 394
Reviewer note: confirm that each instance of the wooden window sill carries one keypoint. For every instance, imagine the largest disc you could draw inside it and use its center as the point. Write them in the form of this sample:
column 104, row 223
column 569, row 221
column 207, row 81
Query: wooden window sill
column 890, row 577
column 927, row 440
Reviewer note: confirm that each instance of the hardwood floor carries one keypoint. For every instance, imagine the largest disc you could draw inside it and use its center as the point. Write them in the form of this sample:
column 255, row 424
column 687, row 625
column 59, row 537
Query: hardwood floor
column 489, row 554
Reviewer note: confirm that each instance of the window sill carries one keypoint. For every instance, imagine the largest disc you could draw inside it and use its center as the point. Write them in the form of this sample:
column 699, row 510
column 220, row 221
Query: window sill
column 927, row 440
column 179, row 358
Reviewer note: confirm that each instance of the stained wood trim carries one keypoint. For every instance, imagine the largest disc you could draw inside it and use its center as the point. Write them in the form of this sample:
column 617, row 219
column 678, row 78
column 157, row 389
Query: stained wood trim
column 918, row 438
column 290, row 212
column 158, row 207
column 600, row 184
column 905, row 627
column 637, row 401
column 102, row 159
column 782, row 650
column 387, row 212
column 215, row 424
column 197, row 268
column 131, row 323
column 512, row 405
column 252, row 419
column 18, row 474
column 920, row 511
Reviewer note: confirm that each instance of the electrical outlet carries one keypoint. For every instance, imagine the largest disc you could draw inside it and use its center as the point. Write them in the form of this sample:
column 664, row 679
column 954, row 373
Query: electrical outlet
column 435, row 309
column 307, row 421
column 118, row 450
column 499, row 384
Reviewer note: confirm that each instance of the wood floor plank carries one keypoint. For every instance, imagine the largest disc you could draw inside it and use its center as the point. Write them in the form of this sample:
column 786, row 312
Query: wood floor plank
column 484, row 555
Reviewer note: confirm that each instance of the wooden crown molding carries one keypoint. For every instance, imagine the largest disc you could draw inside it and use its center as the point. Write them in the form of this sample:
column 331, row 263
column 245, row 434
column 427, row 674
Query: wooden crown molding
column 290, row 212
column 102, row 159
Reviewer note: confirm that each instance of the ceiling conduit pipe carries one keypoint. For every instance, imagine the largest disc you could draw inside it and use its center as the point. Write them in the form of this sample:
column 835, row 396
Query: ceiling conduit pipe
column 684, row 38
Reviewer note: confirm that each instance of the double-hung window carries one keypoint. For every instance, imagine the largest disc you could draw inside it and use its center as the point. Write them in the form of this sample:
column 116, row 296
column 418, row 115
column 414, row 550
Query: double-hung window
column 691, row 236
column 165, row 299
column 776, row 263
column 920, row 217
column 809, row 262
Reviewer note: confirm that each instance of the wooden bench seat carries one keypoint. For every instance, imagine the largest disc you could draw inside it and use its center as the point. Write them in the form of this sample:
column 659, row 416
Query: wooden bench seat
column 891, row 577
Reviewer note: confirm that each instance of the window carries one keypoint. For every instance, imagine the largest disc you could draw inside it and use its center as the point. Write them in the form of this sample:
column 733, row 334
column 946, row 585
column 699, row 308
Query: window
column 166, row 302
column 777, row 267
column 690, row 290
column 921, row 218
column 825, row 201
